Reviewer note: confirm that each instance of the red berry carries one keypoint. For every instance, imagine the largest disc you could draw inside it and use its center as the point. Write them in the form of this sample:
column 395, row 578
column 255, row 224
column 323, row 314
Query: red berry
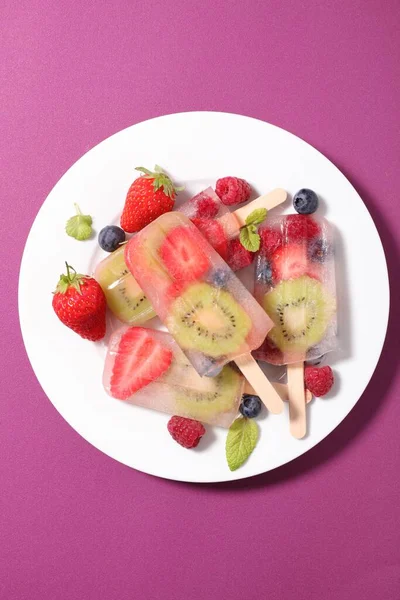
column 290, row 262
column 238, row 256
column 80, row 303
column 299, row 228
column 214, row 234
column 268, row 352
column 233, row 190
column 271, row 240
column 182, row 256
column 319, row 380
column 206, row 207
column 149, row 196
column 187, row 432
column 140, row 359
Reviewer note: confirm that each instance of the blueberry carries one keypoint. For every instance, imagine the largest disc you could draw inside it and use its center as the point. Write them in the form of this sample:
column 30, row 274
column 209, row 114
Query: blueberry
column 110, row 237
column 305, row 201
column 250, row 406
column 319, row 250
column 219, row 277
column 264, row 274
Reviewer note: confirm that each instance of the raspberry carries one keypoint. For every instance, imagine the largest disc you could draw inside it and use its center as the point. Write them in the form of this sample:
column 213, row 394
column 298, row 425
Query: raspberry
column 206, row 208
column 298, row 228
column 318, row 380
column 187, row 432
column 214, row 233
column 232, row 190
column 269, row 352
column 238, row 256
column 271, row 240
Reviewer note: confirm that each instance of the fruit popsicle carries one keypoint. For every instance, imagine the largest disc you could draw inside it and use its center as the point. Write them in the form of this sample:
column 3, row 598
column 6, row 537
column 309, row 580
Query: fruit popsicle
column 295, row 283
column 126, row 299
column 147, row 368
column 205, row 307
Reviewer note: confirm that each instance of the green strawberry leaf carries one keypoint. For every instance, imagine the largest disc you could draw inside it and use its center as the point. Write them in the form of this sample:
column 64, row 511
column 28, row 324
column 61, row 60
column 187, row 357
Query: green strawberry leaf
column 79, row 226
column 257, row 216
column 160, row 180
column 241, row 440
column 249, row 239
column 71, row 279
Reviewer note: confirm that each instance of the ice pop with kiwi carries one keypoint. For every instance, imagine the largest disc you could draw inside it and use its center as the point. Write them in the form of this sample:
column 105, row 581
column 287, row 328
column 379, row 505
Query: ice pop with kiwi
column 126, row 299
column 147, row 368
column 205, row 307
column 295, row 283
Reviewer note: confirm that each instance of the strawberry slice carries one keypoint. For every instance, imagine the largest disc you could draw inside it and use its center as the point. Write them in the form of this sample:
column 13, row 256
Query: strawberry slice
column 182, row 256
column 289, row 262
column 140, row 360
column 214, row 234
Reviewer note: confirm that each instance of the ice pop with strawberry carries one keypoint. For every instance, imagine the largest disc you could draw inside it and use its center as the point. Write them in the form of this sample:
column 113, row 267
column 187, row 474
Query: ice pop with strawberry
column 209, row 312
column 295, row 283
column 147, row 368
column 227, row 232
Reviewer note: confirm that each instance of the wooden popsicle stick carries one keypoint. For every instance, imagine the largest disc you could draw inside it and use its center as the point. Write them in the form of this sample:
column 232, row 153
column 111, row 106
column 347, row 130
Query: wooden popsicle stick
column 264, row 389
column 281, row 388
column 268, row 201
column 297, row 400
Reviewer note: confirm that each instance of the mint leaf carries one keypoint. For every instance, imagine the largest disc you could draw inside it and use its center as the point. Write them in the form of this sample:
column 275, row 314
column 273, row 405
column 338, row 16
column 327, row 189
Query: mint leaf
column 257, row 216
column 79, row 226
column 241, row 441
column 249, row 238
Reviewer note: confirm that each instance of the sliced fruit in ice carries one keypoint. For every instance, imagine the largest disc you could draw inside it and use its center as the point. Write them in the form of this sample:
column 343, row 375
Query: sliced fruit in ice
column 140, row 360
column 124, row 296
column 292, row 261
column 214, row 395
column 214, row 234
column 301, row 310
column 209, row 320
column 182, row 256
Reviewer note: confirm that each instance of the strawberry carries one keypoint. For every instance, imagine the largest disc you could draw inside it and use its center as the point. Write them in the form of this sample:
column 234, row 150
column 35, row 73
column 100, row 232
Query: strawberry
column 149, row 196
column 140, row 359
column 182, row 256
column 80, row 303
column 214, row 234
column 289, row 262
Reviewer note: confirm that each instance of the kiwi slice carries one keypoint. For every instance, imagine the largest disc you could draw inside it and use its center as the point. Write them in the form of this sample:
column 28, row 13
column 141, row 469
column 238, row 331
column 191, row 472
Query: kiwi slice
column 123, row 294
column 209, row 320
column 301, row 310
column 215, row 396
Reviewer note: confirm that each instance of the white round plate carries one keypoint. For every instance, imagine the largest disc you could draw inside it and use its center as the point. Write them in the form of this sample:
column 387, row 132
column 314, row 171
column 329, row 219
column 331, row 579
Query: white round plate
column 196, row 149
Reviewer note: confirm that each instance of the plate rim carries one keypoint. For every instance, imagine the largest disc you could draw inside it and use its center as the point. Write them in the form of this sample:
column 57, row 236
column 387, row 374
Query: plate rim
column 238, row 475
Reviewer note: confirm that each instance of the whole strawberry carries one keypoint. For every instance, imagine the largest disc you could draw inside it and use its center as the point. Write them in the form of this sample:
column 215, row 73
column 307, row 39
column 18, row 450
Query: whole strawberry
column 187, row 432
column 80, row 304
column 149, row 196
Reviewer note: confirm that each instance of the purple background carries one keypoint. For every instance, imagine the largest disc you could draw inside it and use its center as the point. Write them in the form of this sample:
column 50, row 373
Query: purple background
column 74, row 524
